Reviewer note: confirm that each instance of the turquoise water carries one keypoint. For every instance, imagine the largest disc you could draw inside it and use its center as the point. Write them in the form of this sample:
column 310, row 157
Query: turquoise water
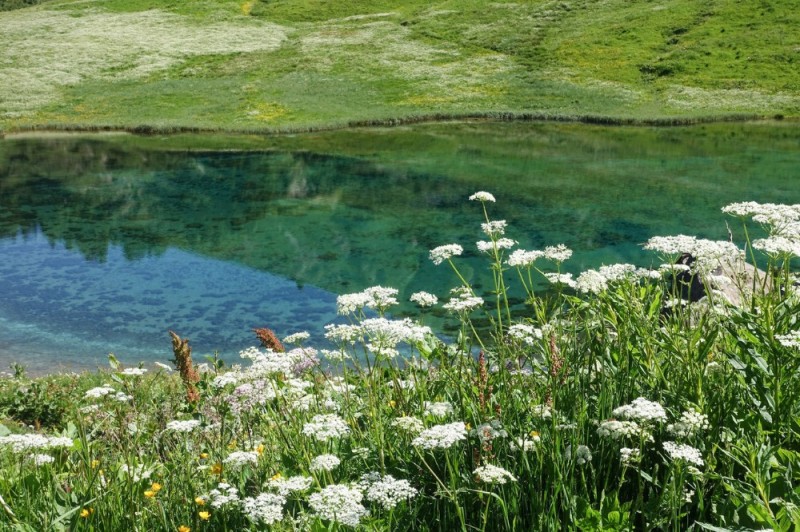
column 108, row 243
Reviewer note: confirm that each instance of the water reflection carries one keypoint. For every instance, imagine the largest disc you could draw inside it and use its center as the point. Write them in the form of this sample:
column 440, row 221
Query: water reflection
column 105, row 246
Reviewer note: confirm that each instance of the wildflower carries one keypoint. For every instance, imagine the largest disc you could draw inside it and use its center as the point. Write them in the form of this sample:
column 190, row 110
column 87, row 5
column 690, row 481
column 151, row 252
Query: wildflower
column 324, row 462
column 259, row 449
column 163, row 366
column 591, row 281
column 440, row 409
column 691, row 422
column 268, row 340
column 223, row 495
column 541, row 411
column 25, row 442
column 216, row 469
column 136, row 473
column 183, row 426
column 388, row 492
column 285, row 486
column 424, row 299
column 680, row 451
column 441, row 436
column 526, row 333
column 204, row 515
column 491, row 474
column 482, row 196
column 156, row 487
column 778, row 245
column 442, row 253
column 238, row 459
column 199, row 501
column 101, row 391
column 522, row 258
column 86, row 512
column 641, row 410
column 324, row 427
column 526, row 444
column 790, row 340
column 558, row 253
column 133, row 372
column 583, row 454
column 184, row 528
column 628, row 455
column 561, row 278
column 489, row 431
column 408, row 424
column 463, row 300
column 297, row 337
column 340, row 504
column 266, row 508
column 42, row 459
column 494, row 228
column 617, row 430
column 149, row 494
column 500, row 243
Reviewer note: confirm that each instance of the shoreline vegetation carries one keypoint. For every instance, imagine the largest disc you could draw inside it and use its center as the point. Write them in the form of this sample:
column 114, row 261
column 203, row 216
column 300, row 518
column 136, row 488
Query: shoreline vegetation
column 629, row 398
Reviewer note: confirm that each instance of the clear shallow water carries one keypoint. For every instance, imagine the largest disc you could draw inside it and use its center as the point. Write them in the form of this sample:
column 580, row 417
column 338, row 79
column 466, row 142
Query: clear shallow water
column 106, row 244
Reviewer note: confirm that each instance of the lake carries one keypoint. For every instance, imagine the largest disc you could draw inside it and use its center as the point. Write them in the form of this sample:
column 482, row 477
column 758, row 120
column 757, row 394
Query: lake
column 107, row 242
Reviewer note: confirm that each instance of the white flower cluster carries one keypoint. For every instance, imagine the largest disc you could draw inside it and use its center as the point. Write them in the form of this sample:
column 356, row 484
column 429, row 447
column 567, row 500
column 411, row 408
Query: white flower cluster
column 382, row 335
column 387, row 491
column 266, row 508
column 617, row 430
column 376, row 297
column 491, row 474
column 441, row 436
column 542, row 411
column 163, row 366
column 765, row 213
column 297, row 337
column 486, row 246
column 558, row 253
column 522, row 258
column 525, row 333
column 223, row 495
column 482, row 196
column 424, row 299
column 97, row 393
column 339, row 503
column 285, row 486
column 324, row 462
column 491, row 430
column 526, row 444
column 641, row 410
column 183, row 426
column 791, row 340
column 494, row 228
column 463, row 300
column 583, row 454
column 596, row 281
column 778, row 245
column 133, row 372
column 680, row 451
column 691, row 423
column 438, row 409
column 27, row 442
column 408, row 424
column 560, row 278
column 442, row 253
column 628, row 455
column 324, row 427
column 239, row 459
column 707, row 253
column 42, row 459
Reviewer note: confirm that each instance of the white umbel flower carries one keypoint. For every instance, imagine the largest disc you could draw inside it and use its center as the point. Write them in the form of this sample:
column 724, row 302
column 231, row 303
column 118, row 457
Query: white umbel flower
column 442, row 253
column 388, row 492
column 424, row 299
column 239, row 459
column 641, row 410
column 324, row 462
column 183, row 426
column 340, row 504
column 681, row 451
column 266, row 508
column 482, row 196
column 491, row 474
column 324, row 427
column 441, row 436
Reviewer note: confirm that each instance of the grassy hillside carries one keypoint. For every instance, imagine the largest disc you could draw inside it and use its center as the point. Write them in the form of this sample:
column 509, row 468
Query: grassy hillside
column 303, row 63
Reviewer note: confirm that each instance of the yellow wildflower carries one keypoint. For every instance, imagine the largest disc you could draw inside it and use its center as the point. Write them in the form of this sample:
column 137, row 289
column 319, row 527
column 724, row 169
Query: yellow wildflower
column 260, row 449
column 200, row 501
column 204, row 515
column 156, row 487
column 86, row 512
column 216, row 469
column 276, row 476
column 184, row 528
column 203, row 456
column 149, row 494
column 392, row 404
column 232, row 445
column 95, row 463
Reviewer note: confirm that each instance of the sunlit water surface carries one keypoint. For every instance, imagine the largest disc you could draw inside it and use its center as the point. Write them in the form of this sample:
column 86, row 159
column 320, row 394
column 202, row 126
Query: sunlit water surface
column 107, row 245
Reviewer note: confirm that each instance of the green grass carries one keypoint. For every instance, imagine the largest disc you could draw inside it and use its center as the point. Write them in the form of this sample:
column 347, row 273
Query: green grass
column 535, row 405
column 297, row 64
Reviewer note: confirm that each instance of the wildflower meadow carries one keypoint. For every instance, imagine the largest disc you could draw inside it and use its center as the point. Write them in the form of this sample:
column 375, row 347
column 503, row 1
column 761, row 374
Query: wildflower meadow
column 624, row 398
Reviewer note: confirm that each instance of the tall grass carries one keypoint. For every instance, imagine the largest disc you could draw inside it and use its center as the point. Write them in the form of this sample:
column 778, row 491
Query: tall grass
column 610, row 404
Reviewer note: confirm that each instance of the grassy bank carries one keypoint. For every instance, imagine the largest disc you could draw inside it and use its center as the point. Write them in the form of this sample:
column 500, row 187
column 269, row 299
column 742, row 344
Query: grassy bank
column 610, row 404
column 291, row 65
